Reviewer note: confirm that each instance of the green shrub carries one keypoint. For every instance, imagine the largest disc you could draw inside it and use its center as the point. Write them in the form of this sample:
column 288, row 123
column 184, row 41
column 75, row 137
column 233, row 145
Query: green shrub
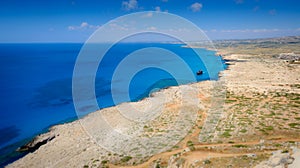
column 190, row 145
column 240, row 146
column 269, row 128
column 207, row 161
column 243, row 131
column 104, row 161
column 278, row 145
column 126, row 158
column 226, row 134
column 294, row 125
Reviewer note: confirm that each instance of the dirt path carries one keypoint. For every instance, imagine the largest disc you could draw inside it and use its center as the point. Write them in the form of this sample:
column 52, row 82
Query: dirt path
column 201, row 155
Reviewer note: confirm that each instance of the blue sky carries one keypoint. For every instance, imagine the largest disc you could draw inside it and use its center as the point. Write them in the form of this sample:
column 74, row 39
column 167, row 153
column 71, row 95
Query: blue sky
column 76, row 20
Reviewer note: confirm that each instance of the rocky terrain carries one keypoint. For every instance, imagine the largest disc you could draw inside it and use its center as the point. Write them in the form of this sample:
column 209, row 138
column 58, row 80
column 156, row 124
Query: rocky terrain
column 249, row 118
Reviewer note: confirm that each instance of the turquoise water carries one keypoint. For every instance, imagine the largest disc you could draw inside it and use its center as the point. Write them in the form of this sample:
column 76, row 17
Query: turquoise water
column 36, row 84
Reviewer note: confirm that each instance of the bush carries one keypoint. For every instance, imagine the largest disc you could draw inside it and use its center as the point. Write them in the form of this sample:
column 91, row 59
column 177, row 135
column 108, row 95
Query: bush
column 207, row 161
column 240, row 146
column 269, row 128
column 126, row 158
column 293, row 125
column 104, row 161
column 190, row 145
column 226, row 134
column 243, row 131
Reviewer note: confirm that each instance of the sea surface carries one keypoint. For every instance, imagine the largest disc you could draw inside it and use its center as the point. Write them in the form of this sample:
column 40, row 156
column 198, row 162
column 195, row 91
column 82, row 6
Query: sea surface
column 36, row 84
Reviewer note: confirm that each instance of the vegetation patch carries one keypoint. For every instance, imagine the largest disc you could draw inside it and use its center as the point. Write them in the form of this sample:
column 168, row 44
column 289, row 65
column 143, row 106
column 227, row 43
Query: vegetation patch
column 207, row 161
column 269, row 128
column 226, row 134
column 243, row 131
column 239, row 146
column 104, row 161
column 294, row 125
column 126, row 158
column 190, row 145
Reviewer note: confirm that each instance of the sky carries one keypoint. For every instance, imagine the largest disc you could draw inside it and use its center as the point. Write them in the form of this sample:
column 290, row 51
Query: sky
column 75, row 20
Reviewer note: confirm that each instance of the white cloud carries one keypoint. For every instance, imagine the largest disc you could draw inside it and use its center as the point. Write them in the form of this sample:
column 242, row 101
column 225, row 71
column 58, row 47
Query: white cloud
column 130, row 5
column 157, row 9
column 71, row 28
column 83, row 26
column 196, row 7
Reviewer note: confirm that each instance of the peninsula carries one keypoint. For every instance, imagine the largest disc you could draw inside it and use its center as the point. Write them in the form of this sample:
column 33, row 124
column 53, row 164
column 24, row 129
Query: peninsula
column 259, row 124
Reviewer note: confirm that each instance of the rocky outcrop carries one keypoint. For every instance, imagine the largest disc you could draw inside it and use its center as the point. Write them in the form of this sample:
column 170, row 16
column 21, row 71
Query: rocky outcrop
column 289, row 56
column 175, row 161
column 37, row 142
column 278, row 160
column 296, row 155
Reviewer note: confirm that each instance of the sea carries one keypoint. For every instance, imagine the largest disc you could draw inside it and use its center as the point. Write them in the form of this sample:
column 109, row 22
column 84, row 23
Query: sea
column 36, row 84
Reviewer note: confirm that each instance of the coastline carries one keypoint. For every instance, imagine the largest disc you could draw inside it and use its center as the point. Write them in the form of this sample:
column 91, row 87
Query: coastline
column 73, row 148
column 72, row 133
column 54, row 132
column 45, row 128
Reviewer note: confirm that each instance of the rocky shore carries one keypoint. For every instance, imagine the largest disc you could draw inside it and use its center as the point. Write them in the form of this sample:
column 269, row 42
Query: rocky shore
column 70, row 145
column 37, row 142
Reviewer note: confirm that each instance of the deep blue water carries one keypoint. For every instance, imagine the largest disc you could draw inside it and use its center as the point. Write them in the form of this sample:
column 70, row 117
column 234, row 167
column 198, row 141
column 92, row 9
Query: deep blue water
column 36, row 85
